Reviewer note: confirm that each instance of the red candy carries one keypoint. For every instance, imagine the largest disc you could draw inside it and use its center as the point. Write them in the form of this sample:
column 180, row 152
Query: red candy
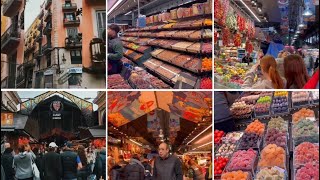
column 306, row 153
column 219, row 165
column 217, row 136
column 309, row 171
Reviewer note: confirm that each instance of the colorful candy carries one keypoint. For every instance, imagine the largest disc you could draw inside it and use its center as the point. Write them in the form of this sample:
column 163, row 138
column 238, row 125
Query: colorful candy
column 273, row 155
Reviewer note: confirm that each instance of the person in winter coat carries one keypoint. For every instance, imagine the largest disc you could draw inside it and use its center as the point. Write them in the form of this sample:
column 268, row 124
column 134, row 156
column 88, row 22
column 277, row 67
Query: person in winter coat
column 6, row 162
column 22, row 164
column 100, row 165
column 52, row 171
column 134, row 170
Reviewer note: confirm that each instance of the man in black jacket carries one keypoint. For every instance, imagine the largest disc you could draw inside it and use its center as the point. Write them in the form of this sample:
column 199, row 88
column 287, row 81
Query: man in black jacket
column 70, row 162
column 6, row 162
column 167, row 166
column 134, row 170
column 100, row 165
column 51, row 164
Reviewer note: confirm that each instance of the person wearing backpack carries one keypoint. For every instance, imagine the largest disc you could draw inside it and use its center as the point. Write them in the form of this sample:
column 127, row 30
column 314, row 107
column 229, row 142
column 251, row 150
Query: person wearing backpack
column 100, row 165
column 147, row 167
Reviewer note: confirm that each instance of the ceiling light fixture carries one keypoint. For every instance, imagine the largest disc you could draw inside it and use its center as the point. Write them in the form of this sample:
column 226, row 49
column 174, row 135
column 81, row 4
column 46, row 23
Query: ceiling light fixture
column 202, row 145
column 135, row 142
column 250, row 10
column 199, row 134
column 114, row 6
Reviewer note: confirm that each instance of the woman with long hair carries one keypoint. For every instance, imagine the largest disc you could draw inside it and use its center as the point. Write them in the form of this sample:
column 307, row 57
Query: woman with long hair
column 270, row 78
column 295, row 72
column 83, row 173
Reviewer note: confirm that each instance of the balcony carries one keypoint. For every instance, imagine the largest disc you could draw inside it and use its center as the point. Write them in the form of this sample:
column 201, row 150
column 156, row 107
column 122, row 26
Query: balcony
column 71, row 22
column 11, row 7
column 30, row 48
column 98, row 55
column 40, row 27
column 48, row 16
column 38, row 38
column 10, row 39
column 46, row 48
column 41, row 14
column 73, row 42
column 69, row 7
column 48, row 4
column 47, row 30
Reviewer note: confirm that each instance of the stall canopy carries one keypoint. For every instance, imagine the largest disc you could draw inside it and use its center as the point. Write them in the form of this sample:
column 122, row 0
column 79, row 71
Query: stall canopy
column 154, row 116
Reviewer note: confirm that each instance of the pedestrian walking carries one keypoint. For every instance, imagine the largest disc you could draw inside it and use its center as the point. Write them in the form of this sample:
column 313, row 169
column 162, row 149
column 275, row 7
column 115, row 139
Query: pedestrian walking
column 51, row 163
column 22, row 163
column 7, row 161
column 134, row 170
column 100, row 165
column 70, row 163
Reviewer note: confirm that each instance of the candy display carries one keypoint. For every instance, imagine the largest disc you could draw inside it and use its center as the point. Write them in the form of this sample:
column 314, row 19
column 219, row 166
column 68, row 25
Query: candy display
column 305, row 153
column 241, row 110
column 235, row 175
column 256, row 127
column 226, row 150
column 305, row 131
column 218, row 136
column 276, row 137
column 242, row 160
column 270, row 173
column 262, row 107
column 303, row 113
column 300, row 98
column 219, row 165
column 272, row 155
column 286, row 144
column 250, row 140
column 113, row 82
column 280, row 102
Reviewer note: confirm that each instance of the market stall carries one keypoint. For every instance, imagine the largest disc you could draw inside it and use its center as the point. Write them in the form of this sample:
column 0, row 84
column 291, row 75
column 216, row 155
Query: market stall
column 173, row 49
column 277, row 135
column 257, row 28
column 139, row 121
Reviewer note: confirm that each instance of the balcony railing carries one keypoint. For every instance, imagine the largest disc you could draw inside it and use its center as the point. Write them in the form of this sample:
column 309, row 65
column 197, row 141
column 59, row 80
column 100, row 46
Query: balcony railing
column 10, row 39
column 74, row 42
column 47, row 16
column 11, row 7
column 38, row 38
column 46, row 48
column 98, row 55
column 47, row 30
column 69, row 7
column 72, row 22
column 48, row 4
column 30, row 48
column 41, row 14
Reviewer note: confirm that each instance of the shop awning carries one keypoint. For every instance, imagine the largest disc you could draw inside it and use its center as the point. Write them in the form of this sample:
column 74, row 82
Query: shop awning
column 93, row 132
column 20, row 122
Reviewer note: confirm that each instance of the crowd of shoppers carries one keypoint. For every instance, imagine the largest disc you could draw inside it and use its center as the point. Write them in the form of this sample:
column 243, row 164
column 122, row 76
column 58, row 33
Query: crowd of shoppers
column 69, row 163
column 163, row 167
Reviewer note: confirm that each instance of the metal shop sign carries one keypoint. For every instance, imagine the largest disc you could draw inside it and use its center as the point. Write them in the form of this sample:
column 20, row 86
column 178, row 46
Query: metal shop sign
column 75, row 70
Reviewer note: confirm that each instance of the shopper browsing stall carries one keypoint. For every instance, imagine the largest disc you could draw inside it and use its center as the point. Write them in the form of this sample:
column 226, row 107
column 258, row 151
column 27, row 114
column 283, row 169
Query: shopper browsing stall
column 115, row 50
column 270, row 79
column 295, row 72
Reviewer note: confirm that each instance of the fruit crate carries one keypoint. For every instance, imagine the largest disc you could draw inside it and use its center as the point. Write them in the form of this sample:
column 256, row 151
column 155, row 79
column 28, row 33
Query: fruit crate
column 251, row 169
column 286, row 177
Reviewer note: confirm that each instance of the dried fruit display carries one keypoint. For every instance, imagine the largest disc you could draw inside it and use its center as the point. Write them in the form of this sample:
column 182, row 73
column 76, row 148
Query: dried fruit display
column 206, row 48
column 273, row 155
column 303, row 113
column 207, row 64
column 182, row 46
column 196, row 35
column 242, row 160
column 168, row 43
column 231, row 19
column 237, row 40
column 167, row 55
column 256, row 127
column 249, row 140
column 249, row 47
column 195, row 48
column 240, row 110
column 206, row 83
column 278, row 123
column 156, row 52
column 164, row 72
column 270, row 173
column 193, row 65
column 305, row 131
column 169, row 33
column 274, row 136
column 241, row 175
column 172, row 68
column 181, row 60
column 226, row 36
column 309, row 171
column 241, row 23
column 182, row 34
column 306, row 153
column 152, row 64
column 116, row 81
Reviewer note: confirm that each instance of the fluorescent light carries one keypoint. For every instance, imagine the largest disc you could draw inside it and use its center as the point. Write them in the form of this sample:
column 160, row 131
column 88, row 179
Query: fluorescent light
column 135, row 142
column 128, row 13
column 202, row 145
column 250, row 11
column 114, row 6
column 199, row 152
column 199, row 134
